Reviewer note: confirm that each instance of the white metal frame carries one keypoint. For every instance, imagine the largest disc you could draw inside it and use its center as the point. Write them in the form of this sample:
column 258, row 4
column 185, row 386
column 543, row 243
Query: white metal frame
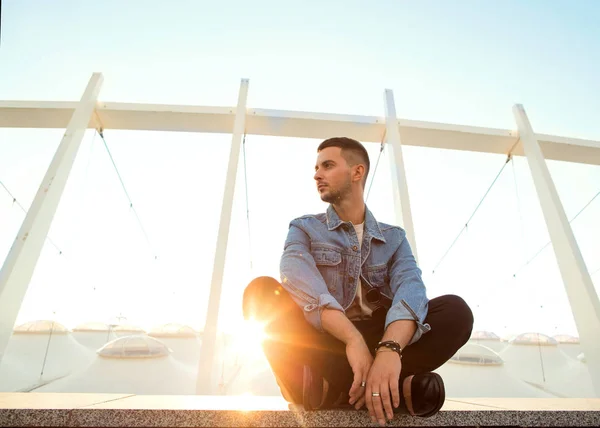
column 399, row 183
column 282, row 123
column 205, row 385
column 22, row 258
column 576, row 278
column 76, row 117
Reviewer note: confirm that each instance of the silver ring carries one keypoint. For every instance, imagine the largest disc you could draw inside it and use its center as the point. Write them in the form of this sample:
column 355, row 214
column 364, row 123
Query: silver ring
column 375, row 394
column 363, row 384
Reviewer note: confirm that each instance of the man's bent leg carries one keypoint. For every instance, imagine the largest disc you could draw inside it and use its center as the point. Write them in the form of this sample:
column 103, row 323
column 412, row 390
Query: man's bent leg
column 291, row 341
column 451, row 322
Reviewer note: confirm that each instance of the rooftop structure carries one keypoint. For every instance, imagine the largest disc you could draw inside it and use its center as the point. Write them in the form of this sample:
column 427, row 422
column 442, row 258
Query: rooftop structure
column 241, row 120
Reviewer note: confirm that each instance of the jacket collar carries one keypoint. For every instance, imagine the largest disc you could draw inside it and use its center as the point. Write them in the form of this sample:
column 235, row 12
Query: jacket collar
column 371, row 225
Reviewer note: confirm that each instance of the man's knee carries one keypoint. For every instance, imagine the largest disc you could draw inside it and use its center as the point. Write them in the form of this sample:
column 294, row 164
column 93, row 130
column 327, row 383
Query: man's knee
column 260, row 298
column 458, row 313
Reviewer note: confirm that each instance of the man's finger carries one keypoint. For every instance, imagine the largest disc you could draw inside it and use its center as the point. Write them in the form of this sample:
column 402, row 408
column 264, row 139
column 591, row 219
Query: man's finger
column 355, row 389
column 377, row 401
column 360, row 403
column 395, row 389
column 369, row 401
column 360, row 396
column 386, row 400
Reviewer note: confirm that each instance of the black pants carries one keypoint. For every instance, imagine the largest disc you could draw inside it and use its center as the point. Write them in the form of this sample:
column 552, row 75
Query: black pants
column 292, row 342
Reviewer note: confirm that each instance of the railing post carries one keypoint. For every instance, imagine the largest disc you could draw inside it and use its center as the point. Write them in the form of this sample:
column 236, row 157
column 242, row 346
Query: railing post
column 23, row 256
column 399, row 185
column 576, row 278
column 204, row 383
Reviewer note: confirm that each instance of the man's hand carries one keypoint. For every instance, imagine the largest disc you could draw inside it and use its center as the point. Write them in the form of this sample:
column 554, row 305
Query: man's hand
column 384, row 377
column 338, row 325
column 360, row 360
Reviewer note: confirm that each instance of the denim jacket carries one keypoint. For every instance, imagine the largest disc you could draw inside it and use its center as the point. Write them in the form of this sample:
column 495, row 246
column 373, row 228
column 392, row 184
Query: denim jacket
column 322, row 261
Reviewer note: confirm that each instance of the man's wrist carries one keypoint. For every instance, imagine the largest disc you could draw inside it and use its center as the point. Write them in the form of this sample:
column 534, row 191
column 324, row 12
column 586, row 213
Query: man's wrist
column 389, row 345
column 355, row 337
column 338, row 325
column 400, row 331
column 387, row 351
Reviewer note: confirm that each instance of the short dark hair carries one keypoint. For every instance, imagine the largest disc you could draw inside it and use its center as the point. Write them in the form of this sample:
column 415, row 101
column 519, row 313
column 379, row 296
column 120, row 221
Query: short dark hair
column 353, row 151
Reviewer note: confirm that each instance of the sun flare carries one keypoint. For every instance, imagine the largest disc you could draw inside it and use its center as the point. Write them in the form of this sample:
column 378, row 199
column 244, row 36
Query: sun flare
column 249, row 338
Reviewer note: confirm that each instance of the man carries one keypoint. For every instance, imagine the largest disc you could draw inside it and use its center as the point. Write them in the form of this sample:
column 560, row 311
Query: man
column 350, row 323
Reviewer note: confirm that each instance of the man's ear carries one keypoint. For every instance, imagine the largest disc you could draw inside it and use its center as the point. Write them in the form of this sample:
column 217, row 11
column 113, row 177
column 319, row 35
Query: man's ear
column 359, row 172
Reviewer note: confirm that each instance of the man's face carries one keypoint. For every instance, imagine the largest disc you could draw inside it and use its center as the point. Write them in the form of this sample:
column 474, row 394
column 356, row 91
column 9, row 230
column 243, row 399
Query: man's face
column 332, row 175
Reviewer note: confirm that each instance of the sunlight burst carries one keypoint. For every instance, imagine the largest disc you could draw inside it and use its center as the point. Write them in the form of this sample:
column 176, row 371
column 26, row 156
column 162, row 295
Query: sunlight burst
column 250, row 337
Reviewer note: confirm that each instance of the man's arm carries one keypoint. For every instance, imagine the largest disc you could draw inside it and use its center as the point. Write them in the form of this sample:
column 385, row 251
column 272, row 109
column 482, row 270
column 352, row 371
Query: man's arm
column 301, row 278
column 359, row 357
column 401, row 332
column 338, row 325
column 404, row 324
column 410, row 300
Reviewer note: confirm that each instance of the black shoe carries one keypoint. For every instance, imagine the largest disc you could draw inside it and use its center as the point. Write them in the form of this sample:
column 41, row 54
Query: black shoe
column 423, row 395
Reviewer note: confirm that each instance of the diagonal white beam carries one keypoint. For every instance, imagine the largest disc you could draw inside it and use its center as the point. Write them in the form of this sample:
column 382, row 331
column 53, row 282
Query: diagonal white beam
column 22, row 258
column 205, row 384
column 576, row 278
column 399, row 184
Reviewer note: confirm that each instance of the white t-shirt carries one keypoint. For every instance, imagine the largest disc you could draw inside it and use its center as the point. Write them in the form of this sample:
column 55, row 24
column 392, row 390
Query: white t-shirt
column 359, row 308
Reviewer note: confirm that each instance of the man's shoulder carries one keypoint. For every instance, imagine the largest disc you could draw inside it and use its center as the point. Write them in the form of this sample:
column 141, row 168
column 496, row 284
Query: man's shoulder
column 391, row 231
column 386, row 226
column 310, row 218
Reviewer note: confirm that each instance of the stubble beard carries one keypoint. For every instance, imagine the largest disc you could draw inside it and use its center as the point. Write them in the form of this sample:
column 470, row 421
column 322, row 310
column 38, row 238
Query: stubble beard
column 336, row 196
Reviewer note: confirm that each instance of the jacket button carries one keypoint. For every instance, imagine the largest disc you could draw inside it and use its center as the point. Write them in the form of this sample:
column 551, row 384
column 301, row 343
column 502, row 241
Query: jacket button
column 351, row 279
column 310, row 307
column 355, row 248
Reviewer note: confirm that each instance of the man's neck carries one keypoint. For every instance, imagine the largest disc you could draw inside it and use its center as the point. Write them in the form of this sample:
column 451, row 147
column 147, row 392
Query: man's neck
column 352, row 210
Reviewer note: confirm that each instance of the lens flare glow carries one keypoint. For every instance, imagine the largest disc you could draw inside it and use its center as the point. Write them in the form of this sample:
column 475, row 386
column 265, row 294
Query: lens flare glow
column 250, row 337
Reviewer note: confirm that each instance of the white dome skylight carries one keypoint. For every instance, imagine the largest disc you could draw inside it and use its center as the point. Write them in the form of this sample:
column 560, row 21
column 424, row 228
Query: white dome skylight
column 138, row 346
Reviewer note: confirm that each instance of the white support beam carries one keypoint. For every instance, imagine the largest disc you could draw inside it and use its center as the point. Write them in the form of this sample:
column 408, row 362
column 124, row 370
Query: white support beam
column 576, row 278
column 205, row 381
column 282, row 123
column 22, row 258
column 399, row 185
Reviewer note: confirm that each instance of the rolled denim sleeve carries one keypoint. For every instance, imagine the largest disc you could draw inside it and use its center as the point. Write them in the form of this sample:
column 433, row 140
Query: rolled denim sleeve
column 301, row 278
column 410, row 299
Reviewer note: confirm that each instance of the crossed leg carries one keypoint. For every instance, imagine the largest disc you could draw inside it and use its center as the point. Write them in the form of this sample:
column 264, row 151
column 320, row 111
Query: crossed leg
column 293, row 343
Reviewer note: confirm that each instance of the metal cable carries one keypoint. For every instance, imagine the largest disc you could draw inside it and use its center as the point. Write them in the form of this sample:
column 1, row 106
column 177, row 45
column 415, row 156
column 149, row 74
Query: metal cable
column 376, row 165
column 15, row 201
column 549, row 242
column 519, row 210
column 541, row 358
column 247, row 205
column 508, row 159
column 374, row 171
column 47, row 348
column 13, row 197
column 586, row 205
column 101, row 133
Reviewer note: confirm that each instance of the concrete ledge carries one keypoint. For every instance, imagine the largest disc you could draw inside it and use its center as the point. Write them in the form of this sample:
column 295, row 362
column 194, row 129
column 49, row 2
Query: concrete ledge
column 114, row 410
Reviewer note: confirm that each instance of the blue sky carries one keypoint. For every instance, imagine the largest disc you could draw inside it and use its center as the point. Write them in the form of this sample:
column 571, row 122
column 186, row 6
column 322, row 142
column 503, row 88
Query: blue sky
column 479, row 58
column 464, row 63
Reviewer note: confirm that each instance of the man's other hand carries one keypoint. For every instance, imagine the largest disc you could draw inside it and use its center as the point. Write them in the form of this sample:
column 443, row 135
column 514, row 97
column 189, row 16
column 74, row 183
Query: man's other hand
column 360, row 360
column 383, row 380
